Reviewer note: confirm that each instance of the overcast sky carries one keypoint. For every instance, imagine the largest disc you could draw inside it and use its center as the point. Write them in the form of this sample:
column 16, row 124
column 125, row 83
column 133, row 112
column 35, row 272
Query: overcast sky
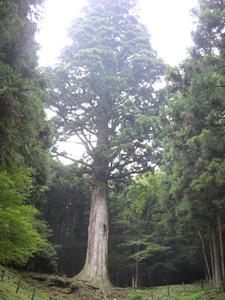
column 169, row 23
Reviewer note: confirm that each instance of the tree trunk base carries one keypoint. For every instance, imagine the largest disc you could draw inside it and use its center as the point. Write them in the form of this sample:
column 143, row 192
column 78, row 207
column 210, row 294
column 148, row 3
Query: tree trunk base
column 94, row 273
column 86, row 289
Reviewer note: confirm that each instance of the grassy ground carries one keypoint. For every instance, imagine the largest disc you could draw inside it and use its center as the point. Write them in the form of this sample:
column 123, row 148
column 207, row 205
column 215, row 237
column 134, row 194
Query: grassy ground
column 28, row 288
column 58, row 288
column 177, row 292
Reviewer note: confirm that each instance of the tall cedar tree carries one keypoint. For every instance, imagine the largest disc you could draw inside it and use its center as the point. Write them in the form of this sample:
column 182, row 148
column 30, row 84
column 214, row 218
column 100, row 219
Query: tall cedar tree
column 103, row 92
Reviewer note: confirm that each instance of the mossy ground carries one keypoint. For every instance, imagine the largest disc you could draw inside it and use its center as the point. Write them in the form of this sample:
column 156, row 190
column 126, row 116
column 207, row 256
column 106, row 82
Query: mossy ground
column 59, row 288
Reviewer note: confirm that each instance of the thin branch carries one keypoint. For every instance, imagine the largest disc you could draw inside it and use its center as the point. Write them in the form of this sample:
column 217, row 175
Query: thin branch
column 71, row 142
column 131, row 172
column 88, row 141
column 84, row 142
column 64, row 155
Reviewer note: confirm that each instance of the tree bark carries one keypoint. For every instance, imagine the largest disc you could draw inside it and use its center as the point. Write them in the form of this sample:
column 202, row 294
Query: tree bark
column 211, row 257
column 95, row 271
column 205, row 256
column 221, row 246
column 136, row 282
column 216, row 257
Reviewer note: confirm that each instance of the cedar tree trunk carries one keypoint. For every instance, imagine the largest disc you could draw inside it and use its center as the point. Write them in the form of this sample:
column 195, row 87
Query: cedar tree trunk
column 211, row 258
column 207, row 268
column 221, row 245
column 217, row 259
column 95, row 271
column 136, row 282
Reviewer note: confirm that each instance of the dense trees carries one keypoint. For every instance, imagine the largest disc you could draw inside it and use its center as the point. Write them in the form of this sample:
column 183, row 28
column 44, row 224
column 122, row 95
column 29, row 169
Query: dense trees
column 195, row 143
column 23, row 133
column 66, row 210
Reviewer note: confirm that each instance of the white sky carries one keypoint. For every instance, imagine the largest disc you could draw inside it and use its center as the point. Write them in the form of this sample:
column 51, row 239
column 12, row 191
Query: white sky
column 168, row 21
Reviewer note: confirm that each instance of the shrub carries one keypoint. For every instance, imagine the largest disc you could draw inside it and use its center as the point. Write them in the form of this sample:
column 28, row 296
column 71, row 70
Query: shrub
column 136, row 295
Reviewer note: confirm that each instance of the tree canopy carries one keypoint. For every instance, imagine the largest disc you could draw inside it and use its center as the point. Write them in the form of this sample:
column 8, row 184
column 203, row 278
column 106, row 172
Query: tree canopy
column 103, row 91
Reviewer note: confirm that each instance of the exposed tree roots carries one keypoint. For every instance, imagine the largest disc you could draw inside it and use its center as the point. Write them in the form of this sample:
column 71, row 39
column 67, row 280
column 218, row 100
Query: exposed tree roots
column 87, row 291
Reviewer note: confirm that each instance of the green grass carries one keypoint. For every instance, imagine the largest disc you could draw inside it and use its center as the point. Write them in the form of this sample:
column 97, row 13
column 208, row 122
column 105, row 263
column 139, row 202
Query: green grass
column 177, row 292
column 9, row 286
column 8, row 291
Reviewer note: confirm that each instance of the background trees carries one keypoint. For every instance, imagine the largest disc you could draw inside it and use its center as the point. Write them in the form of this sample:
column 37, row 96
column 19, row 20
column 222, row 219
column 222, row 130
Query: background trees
column 66, row 211
column 195, row 144
column 23, row 133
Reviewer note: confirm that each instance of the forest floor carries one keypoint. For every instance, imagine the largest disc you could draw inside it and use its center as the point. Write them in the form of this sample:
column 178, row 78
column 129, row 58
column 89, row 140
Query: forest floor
column 31, row 286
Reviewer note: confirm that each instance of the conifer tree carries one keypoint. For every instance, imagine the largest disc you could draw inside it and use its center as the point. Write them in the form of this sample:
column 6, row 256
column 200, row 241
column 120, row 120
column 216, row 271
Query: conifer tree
column 103, row 93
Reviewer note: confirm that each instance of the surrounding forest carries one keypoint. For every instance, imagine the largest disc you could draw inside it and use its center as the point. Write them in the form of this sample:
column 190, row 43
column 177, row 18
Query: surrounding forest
column 145, row 205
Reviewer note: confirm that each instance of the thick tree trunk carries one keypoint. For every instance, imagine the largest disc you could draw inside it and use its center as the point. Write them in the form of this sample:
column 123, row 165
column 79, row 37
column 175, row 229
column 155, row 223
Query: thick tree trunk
column 95, row 271
column 216, row 257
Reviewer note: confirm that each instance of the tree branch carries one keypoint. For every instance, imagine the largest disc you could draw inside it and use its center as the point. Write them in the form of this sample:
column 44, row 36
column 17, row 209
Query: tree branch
column 64, row 155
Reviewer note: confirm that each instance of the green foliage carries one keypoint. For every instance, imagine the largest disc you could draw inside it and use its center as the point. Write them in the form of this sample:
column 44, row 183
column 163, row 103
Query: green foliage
column 149, row 250
column 145, row 230
column 136, row 295
column 194, row 131
column 191, row 292
column 19, row 236
column 209, row 33
column 195, row 146
column 144, row 190
column 24, row 133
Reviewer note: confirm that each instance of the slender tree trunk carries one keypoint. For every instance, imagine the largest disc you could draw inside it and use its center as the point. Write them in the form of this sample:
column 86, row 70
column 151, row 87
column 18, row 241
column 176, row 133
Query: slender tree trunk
column 95, row 271
column 211, row 258
column 216, row 257
column 133, row 282
column 136, row 283
column 206, row 274
column 205, row 257
column 221, row 246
